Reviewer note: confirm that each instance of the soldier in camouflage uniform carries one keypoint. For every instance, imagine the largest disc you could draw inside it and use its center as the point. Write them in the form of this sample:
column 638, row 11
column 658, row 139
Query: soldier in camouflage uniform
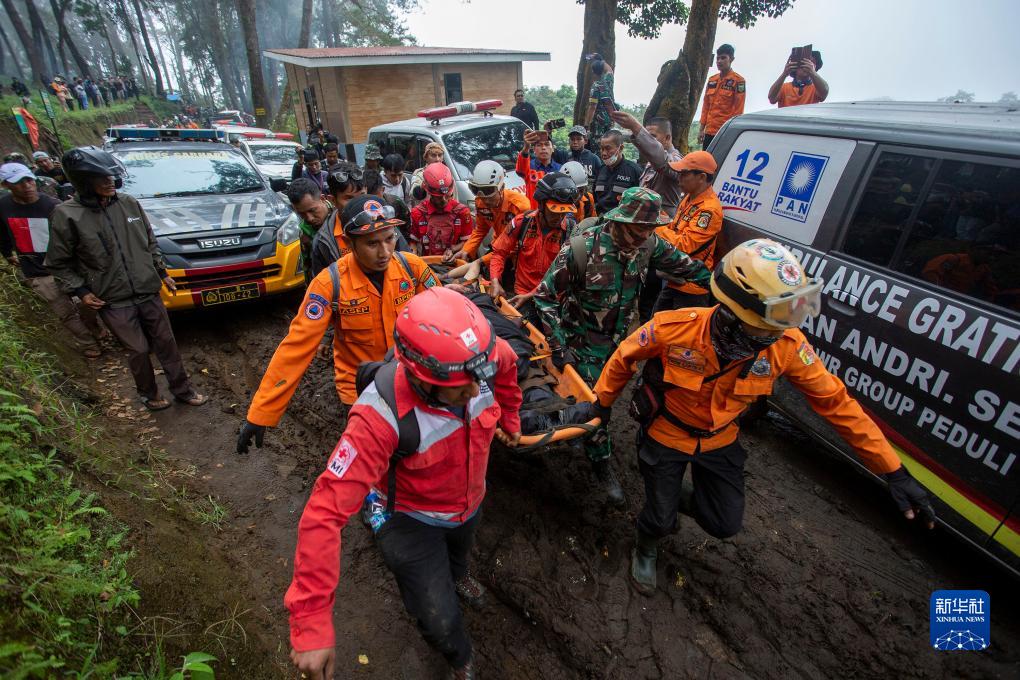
column 588, row 301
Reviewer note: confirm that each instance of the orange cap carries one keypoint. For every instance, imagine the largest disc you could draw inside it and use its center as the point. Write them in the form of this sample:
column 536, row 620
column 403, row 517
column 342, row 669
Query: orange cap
column 702, row 161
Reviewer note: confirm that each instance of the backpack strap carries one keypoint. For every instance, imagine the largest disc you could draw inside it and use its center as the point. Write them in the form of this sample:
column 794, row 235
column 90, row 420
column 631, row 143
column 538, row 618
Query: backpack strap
column 334, row 277
column 408, row 433
column 402, row 259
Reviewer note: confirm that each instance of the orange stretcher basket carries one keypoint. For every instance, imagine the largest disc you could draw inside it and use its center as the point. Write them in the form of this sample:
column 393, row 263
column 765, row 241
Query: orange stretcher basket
column 568, row 382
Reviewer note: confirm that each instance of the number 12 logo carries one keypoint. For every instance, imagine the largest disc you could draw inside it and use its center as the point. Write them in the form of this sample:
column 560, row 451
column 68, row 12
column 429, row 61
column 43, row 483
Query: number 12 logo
column 754, row 176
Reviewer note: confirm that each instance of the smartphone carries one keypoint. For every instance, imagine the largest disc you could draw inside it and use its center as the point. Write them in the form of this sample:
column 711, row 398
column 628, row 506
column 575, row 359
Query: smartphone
column 609, row 104
column 556, row 123
column 543, row 135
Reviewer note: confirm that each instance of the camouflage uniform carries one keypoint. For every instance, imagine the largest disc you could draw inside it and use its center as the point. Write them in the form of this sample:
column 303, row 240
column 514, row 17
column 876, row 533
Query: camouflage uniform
column 591, row 317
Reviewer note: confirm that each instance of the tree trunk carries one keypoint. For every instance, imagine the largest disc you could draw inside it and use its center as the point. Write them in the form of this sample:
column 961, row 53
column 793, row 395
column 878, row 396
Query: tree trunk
column 304, row 38
column 599, row 36
column 5, row 43
column 159, row 49
column 41, row 35
column 219, row 50
column 246, row 12
column 125, row 18
column 681, row 80
column 59, row 10
column 34, row 57
column 153, row 62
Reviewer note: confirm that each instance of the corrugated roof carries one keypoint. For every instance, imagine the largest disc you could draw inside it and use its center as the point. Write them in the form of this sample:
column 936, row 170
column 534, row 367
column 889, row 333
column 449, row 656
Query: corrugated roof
column 320, row 57
column 396, row 51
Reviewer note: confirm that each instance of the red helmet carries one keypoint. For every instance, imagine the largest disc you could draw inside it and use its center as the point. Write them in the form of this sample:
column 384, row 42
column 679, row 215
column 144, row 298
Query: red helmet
column 442, row 338
column 437, row 179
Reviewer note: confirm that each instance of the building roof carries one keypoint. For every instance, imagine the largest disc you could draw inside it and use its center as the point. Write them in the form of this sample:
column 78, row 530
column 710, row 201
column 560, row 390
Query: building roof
column 377, row 56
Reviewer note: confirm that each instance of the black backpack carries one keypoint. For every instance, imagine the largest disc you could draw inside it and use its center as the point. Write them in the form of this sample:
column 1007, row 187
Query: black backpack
column 383, row 374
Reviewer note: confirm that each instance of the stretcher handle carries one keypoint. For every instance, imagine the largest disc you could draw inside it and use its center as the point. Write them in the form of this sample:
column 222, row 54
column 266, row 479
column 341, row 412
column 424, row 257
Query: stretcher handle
column 559, row 433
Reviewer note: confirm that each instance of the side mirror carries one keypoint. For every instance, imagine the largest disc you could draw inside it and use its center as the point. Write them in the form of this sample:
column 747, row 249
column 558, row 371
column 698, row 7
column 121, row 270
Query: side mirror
column 278, row 184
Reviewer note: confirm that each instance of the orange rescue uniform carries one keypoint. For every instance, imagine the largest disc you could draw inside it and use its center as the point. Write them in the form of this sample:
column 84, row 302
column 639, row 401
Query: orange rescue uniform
column 694, row 231
column 791, row 95
column 724, row 99
column 363, row 330
column 495, row 219
column 680, row 340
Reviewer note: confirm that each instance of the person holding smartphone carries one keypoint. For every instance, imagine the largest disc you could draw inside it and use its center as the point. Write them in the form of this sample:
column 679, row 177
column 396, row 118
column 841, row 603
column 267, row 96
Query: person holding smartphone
column 600, row 103
column 807, row 87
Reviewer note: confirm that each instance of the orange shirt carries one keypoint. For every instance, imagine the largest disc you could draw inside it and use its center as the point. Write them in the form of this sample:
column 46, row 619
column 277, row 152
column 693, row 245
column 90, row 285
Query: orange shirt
column 363, row 330
column 695, row 230
column 495, row 220
column 533, row 254
column 790, row 95
column 680, row 340
column 724, row 99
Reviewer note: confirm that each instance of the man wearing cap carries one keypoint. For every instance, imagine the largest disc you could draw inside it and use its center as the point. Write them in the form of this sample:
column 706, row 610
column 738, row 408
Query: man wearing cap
column 577, row 138
column 24, row 238
column 694, row 229
column 724, row 96
column 359, row 297
column 806, row 86
column 44, row 166
column 373, row 158
column 588, row 310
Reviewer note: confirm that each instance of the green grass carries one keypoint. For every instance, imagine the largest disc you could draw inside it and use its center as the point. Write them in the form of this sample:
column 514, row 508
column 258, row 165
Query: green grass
column 67, row 601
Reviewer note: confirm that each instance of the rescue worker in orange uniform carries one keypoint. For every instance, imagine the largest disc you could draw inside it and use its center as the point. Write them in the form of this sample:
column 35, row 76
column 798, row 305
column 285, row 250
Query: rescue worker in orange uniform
column 724, row 96
column 706, row 366
column 533, row 240
column 695, row 228
column 440, row 225
column 359, row 296
column 495, row 206
column 807, row 87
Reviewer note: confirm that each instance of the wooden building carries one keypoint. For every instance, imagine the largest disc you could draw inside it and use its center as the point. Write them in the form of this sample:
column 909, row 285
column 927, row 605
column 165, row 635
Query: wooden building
column 351, row 89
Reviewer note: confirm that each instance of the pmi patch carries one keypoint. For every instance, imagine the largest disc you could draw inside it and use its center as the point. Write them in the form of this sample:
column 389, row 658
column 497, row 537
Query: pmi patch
column 343, row 456
column 806, row 354
column 687, row 358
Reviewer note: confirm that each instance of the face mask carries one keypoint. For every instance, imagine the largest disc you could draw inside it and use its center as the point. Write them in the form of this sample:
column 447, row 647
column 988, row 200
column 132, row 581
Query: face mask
column 613, row 160
column 731, row 342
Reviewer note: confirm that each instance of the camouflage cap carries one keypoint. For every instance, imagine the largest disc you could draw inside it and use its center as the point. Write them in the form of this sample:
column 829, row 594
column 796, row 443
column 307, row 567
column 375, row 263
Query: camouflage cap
column 639, row 205
column 372, row 153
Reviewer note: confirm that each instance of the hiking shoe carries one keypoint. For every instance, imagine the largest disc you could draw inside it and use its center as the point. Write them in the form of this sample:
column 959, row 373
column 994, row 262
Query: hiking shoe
column 610, row 484
column 465, row 672
column 471, row 591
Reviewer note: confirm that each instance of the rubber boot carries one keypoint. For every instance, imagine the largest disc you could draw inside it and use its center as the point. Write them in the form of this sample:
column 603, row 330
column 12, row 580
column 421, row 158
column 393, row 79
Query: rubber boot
column 642, row 563
column 610, row 484
column 471, row 591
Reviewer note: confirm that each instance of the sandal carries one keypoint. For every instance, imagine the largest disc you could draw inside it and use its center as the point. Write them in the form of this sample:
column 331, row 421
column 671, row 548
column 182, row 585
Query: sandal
column 194, row 400
column 92, row 352
column 157, row 404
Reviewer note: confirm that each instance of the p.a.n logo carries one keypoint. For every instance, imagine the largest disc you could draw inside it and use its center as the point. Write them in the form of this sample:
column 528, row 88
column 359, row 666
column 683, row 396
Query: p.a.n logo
column 797, row 188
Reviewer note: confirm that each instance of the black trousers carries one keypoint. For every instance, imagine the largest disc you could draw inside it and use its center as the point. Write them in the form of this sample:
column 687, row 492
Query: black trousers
column 427, row 562
column 649, row 294
column 142, row 328
column 671, row 298
column 718, row 476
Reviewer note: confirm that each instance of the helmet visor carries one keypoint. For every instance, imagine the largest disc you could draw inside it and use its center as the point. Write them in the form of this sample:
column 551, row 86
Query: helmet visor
column 789, row 310
column 484, row 191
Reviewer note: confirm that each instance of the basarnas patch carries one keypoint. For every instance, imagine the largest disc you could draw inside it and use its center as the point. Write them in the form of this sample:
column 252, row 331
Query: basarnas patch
column 761, row 367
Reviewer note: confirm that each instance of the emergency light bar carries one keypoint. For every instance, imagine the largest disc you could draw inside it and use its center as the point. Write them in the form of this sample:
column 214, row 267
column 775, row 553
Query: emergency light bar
column 165, row 134
column 459, row 108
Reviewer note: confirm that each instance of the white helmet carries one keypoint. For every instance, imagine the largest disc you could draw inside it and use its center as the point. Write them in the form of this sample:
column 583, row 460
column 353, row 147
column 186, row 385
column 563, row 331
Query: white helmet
column 487, row 174
column 576, row 172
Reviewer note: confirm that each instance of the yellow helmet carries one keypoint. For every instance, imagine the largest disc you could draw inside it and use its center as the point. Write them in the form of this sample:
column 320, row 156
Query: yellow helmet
column 766, row 286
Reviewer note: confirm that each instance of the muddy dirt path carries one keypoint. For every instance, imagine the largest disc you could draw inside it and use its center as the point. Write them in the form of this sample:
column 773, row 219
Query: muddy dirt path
column 824, row 581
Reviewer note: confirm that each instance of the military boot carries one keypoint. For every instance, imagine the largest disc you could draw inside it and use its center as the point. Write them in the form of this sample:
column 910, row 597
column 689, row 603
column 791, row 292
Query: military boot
column 642, row 563
column 610, row 484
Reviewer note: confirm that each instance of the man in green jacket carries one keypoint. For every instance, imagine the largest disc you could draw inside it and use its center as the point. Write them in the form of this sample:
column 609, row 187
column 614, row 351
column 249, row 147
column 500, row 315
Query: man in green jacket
column 102, row 249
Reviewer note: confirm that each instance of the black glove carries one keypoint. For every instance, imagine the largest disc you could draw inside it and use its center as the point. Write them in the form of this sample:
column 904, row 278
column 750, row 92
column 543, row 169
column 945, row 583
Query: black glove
column 562, row 357
column 909, row 495
column 249, row 430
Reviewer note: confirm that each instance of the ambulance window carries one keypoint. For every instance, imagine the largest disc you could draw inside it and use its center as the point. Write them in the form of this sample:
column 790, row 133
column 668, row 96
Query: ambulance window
column 884, row 210
column 967, row 234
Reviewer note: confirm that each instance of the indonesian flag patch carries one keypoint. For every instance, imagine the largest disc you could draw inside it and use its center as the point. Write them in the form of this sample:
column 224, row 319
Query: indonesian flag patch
column 31, row 234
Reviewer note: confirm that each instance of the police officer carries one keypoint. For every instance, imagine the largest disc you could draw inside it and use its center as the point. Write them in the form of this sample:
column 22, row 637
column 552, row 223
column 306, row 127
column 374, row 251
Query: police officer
column 706, row 366
column 457, row 381
column 587, row 313
column 359, row 296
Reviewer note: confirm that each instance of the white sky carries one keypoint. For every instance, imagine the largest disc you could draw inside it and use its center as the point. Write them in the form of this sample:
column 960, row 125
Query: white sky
column 904, row 49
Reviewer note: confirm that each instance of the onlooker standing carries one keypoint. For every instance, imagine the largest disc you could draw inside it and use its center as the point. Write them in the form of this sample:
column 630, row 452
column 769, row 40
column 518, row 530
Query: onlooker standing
column 103, row 250
column 577, row 138
column 807, row 87
column 313, row 169
column 25, row 229
column 656, row 144
column 524, row 111
column 724, row 96
column 45, row 166
column 596, row 118
column 395, row 181
column 81, row 95
column 373, row 158
column 331, row 156
column 616, row 176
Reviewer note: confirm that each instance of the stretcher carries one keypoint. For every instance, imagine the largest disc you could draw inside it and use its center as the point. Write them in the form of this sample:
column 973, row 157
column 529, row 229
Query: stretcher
column 569, row 384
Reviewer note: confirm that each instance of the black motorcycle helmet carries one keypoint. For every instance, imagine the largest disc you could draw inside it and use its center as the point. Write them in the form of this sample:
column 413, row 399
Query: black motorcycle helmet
column 83, row 164
column 557, row 187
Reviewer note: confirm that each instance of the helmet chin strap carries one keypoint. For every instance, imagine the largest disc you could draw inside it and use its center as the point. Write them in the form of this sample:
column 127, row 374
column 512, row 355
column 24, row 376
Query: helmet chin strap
column 430, row 396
